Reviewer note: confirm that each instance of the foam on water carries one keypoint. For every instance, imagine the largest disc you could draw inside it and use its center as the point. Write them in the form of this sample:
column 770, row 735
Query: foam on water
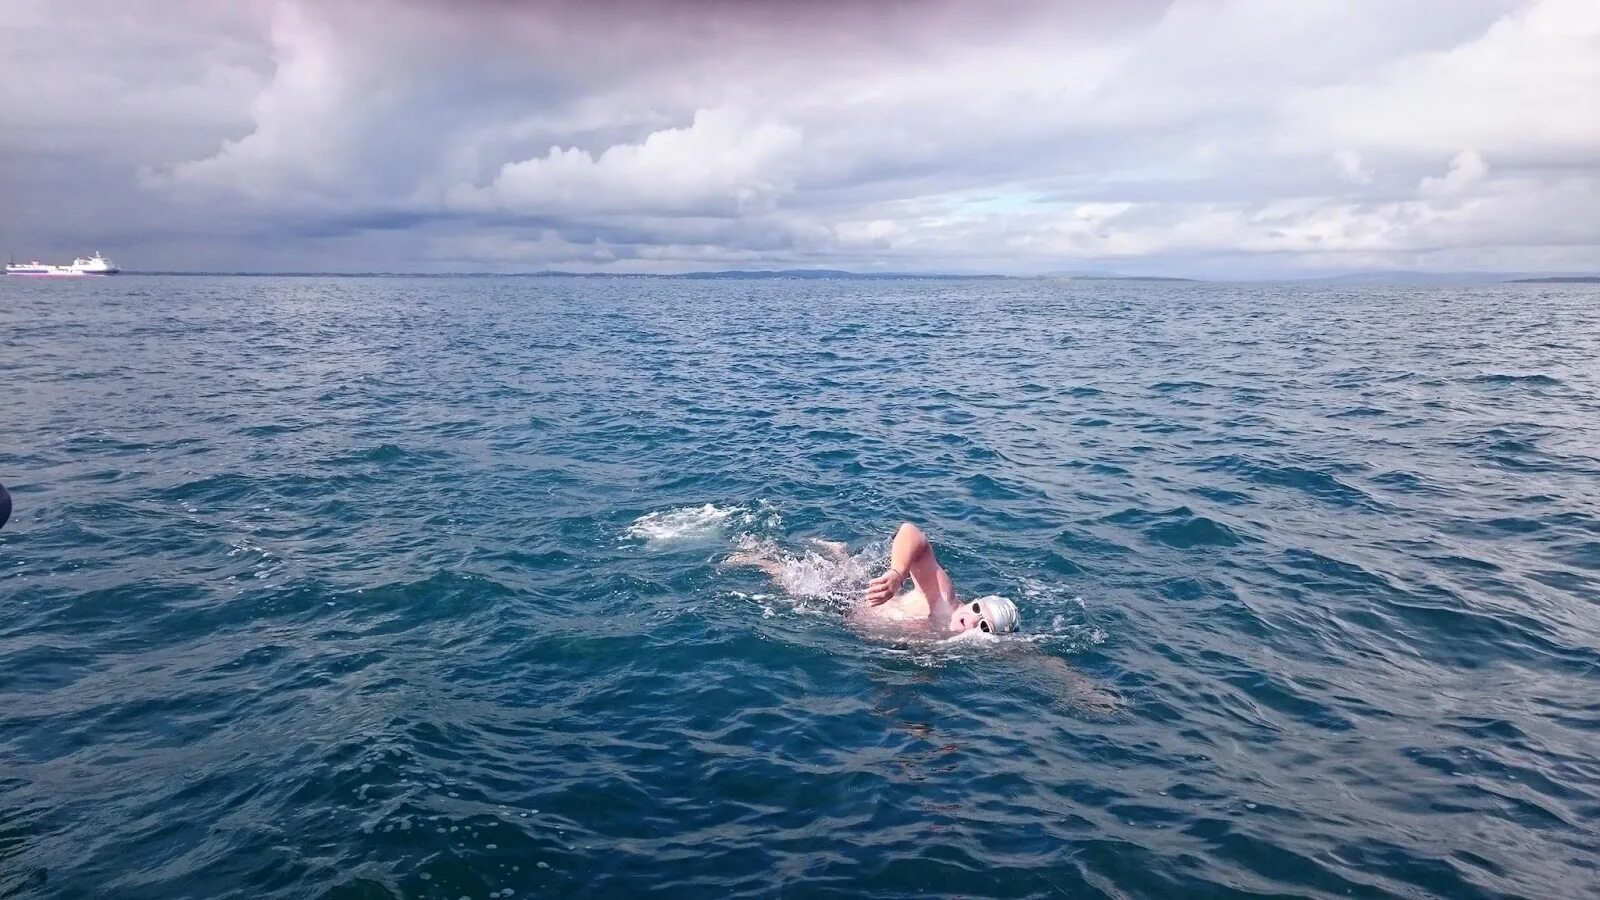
column 689, row 523
column 815, row 572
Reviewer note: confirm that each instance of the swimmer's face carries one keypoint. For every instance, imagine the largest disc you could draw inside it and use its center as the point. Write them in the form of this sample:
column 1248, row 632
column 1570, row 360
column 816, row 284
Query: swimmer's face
column 967, row 617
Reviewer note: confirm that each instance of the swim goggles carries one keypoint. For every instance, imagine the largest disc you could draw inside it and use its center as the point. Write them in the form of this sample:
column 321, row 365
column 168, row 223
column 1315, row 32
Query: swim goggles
column 982, row 622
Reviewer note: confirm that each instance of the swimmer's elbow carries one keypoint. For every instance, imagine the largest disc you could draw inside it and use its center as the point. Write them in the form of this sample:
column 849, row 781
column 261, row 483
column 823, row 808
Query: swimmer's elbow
column 911, row 537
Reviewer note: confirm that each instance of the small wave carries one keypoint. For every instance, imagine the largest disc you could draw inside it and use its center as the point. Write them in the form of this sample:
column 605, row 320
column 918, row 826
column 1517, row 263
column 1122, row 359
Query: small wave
column 692, row 522
column 1317, row 483
column 1179, row 527
column 1535, row 380
column 386, row 453
column 272, row 429
column 1197, row 531
column 984, row 487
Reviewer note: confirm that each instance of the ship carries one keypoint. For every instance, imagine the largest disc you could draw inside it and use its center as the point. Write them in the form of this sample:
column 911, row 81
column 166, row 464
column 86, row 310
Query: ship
column 94, row 265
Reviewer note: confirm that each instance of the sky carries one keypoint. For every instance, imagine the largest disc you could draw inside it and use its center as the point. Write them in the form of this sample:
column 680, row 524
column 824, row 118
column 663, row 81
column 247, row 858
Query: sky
column 1201, row 138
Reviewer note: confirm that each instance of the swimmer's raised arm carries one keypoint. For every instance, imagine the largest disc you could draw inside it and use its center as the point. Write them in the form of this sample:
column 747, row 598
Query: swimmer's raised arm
column 911, row 555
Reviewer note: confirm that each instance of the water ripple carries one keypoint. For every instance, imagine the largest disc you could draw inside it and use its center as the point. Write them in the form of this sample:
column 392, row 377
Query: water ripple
column 355, row 588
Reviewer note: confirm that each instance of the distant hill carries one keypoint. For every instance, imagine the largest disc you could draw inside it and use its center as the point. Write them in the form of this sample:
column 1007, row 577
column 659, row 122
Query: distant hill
column 1127, row 278
column 1559, row 279
column 1104, row 275
column 819, row 274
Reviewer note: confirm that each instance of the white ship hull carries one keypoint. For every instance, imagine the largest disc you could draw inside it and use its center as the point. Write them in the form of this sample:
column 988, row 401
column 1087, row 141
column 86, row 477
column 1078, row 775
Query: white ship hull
column 94, row 265
column 58, row 272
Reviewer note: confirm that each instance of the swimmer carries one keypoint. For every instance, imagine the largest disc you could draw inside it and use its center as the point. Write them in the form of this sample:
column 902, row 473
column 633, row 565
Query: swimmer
column 931, row 602
column 930, row 599
column 932, row 596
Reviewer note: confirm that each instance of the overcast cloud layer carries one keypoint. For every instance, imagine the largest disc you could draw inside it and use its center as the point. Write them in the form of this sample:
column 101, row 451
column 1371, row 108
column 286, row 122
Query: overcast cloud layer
column 1214, row 138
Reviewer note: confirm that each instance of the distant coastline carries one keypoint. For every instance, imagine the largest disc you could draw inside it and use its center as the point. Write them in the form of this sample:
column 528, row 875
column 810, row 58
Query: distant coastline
column 813, row 274
column 1559, row 279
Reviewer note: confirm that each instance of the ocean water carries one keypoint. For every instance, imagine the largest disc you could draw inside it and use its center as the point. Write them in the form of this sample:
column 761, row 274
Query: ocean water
column 368, row 588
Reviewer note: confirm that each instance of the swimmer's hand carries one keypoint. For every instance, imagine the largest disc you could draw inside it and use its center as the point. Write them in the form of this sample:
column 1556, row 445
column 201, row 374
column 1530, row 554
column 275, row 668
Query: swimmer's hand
column 883, row 588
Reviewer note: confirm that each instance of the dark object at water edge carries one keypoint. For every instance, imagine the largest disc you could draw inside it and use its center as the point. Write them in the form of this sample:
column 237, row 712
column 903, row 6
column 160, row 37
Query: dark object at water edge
column 5, row 506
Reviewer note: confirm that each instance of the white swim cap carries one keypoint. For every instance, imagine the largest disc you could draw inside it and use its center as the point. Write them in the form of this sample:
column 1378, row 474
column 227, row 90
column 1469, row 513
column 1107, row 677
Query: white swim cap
column 1000, row 613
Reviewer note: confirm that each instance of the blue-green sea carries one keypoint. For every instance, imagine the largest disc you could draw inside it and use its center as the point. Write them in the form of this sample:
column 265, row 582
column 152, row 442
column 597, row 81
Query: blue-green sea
column 414, row 587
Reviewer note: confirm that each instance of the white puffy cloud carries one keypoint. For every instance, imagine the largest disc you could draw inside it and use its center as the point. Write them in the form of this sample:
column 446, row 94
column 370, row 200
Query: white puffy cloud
column 724, row 163
column 1466, row 170
column 1217, row 137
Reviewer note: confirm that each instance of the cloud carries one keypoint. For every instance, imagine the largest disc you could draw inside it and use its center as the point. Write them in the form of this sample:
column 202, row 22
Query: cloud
column 724, row 163
column 1522, row 90
column 1218, row 137
column 1351, row 167
column 1466, row 170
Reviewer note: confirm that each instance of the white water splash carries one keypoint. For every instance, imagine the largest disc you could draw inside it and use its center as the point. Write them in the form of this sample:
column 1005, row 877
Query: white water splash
column 1062, row 624
column 695, row 522
column 823, row 571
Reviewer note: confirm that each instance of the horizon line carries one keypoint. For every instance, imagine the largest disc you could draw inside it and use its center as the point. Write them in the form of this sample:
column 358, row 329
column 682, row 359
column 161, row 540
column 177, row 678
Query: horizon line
column 822, row 274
